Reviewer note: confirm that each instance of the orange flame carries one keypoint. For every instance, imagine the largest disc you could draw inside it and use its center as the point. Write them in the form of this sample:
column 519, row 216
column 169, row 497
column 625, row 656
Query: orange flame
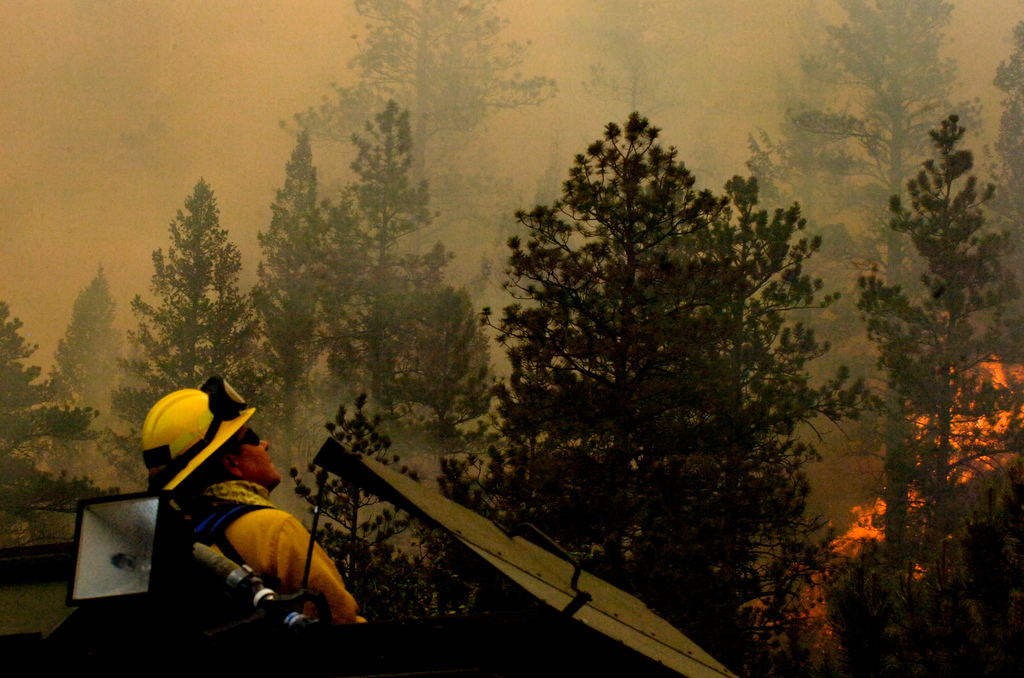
column 969, row 435
column 867, row 527
column 977, row 434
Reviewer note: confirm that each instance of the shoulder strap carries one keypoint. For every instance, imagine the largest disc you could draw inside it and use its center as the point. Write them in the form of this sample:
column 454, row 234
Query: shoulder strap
column 210, row 530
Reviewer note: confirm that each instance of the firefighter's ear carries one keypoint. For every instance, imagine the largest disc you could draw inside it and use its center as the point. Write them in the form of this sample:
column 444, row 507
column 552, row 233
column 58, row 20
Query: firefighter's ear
column 231, row 464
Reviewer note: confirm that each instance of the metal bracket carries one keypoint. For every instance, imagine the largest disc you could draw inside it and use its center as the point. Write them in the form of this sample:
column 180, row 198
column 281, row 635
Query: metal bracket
column 549, row 544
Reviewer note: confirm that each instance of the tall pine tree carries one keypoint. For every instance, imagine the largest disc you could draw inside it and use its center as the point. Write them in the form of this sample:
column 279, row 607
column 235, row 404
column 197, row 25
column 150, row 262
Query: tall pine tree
column 444, row 60
column 884, row 80
column 656, row 390
column 36, row 504
column 940, row 345
column 201, row 324
column 368, row 312
column 85, row 369
column 292, row 277
column 1010, row 145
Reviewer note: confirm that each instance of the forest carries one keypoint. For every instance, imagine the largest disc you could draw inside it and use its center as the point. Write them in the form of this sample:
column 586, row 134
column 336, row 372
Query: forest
column 781, row 402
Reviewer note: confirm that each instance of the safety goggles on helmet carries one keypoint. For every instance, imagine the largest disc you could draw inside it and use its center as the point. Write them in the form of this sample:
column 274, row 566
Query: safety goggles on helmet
column 225, row 403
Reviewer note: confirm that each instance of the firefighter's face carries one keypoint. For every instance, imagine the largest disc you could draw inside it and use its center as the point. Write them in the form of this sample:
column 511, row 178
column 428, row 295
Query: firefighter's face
column 252, row 460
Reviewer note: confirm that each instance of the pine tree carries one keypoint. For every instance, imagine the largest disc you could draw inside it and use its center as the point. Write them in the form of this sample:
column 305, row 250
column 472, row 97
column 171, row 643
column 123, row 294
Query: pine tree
column 86, row 360
column 886, row 82
column 368, row 314
column 292, row 277
column 451, row 65
column 447, row 381
column 32, row 499
column 656, row 389
column 201, row 324
column 939, row 345
column 853, row 135
column 1010, row 145
column 630, row 38
column 444, row 60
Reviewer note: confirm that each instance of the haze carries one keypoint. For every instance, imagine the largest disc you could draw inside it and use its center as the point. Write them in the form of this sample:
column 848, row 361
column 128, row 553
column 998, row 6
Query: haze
column 112, row 110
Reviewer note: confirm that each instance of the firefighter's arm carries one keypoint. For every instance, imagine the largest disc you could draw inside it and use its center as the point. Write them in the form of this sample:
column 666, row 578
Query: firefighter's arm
column 274, row 543
column 292, row 546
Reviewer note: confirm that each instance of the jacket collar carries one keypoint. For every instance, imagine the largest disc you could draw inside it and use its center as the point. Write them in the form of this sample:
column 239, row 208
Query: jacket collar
column 239, row 492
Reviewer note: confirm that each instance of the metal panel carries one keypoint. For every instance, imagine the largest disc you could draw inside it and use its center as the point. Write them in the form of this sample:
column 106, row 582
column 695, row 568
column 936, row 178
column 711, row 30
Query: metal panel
column 611, row 611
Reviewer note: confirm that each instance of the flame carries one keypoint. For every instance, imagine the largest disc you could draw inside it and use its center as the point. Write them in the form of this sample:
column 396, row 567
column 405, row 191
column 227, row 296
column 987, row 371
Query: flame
column 976, row 444
column 868, row 526
column 970, row 435
column 1001, row 373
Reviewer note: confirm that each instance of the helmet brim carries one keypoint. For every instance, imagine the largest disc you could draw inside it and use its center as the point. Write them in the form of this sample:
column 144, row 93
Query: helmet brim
column 225, row 432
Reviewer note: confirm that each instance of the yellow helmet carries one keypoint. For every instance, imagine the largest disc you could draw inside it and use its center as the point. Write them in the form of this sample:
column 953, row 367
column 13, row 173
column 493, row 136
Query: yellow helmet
column 185, row 427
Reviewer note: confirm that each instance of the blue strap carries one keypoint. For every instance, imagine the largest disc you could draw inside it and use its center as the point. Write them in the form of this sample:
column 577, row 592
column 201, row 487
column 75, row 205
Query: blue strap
column 219, row 515
column 210, row 530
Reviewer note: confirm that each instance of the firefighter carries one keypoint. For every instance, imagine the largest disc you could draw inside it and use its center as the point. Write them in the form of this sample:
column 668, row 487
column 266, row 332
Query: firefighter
column 198, row 445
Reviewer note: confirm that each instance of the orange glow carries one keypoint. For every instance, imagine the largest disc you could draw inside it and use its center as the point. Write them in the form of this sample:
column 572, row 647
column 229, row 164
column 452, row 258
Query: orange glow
column 867, row 527
column 812, row 600
column 1001, row 374
column 968, row 435
column 973, row 445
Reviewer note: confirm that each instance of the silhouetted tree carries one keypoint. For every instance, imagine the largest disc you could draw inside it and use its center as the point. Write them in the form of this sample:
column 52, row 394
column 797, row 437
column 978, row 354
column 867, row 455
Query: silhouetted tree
column 656, row 389
column 291, row 282
column 201, row 325
column 941, row 345
column 36, row 505
column 85, row 369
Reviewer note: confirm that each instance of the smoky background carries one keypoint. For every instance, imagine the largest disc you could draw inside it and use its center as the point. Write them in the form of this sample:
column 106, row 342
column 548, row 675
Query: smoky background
column 112, row 110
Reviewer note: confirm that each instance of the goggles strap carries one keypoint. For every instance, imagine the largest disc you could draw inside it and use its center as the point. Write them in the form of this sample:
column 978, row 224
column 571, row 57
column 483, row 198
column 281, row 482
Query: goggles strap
column 157, row 456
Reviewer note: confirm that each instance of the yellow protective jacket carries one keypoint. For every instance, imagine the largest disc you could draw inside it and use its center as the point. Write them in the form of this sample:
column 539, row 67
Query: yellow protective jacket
column 274, row 544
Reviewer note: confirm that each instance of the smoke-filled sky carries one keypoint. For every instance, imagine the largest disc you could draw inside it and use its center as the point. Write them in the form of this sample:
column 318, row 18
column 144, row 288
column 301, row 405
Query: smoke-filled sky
column 111, row 110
